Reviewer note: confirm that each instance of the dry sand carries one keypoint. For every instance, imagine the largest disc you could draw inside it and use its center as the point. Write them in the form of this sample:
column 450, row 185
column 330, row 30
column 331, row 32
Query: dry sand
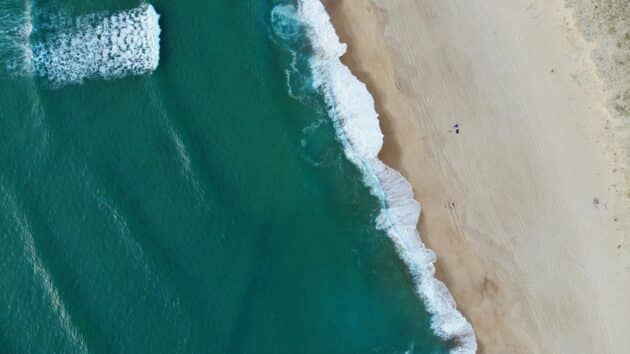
column 526, row 206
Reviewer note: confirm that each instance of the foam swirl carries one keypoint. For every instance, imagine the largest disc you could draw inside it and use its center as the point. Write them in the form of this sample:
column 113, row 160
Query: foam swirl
column 352, row 108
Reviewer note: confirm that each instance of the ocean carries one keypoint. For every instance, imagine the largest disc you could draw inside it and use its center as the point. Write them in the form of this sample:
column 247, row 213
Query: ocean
column 201, row 177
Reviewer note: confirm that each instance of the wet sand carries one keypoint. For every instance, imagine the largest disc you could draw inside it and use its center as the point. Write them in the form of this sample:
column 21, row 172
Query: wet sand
column 496, row 113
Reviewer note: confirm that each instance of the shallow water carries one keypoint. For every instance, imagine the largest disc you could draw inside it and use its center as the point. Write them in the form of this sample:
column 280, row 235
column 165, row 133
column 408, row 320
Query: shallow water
column 199, row 208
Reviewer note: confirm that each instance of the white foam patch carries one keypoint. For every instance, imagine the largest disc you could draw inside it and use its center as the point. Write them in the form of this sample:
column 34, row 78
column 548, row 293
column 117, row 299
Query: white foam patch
column 352, row 108
column 41, row 274
column 108, row 47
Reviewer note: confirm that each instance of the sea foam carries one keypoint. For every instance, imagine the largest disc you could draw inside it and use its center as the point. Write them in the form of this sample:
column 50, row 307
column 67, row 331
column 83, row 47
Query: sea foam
column 352, row 108
column 126, row 43
column 87, row 47
column 15, row 31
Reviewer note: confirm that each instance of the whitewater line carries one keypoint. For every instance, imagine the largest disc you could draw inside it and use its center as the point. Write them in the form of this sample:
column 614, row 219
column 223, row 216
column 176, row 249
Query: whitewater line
column 352, row 108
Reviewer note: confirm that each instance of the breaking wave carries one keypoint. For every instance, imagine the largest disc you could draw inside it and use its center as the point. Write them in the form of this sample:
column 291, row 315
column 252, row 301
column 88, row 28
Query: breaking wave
column 107, row 46
column 352, row 109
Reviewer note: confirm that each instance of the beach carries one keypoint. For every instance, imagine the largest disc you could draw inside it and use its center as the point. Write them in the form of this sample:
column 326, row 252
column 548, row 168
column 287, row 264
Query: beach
column 498, row 115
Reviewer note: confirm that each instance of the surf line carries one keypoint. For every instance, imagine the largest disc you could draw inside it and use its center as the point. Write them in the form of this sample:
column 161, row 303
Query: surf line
column 352, row 109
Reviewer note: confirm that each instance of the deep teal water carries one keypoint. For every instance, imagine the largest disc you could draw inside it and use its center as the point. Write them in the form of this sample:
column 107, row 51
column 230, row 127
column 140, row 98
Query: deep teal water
column 199, row 209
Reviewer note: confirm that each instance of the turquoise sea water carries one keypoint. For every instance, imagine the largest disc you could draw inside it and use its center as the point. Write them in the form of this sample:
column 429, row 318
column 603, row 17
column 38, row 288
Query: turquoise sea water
column 197, row 209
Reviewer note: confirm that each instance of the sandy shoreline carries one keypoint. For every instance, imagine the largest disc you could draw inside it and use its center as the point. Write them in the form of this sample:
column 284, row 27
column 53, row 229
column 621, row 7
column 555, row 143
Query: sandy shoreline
column 522, row 200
